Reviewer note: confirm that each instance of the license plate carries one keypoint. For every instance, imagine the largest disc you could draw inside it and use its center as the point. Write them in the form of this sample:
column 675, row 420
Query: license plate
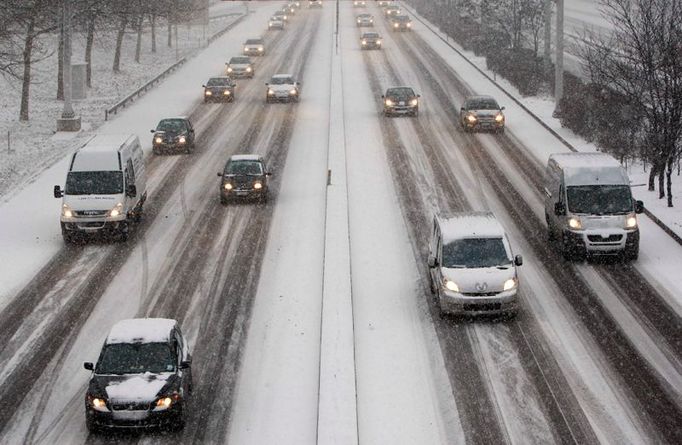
column 242, row 193
column 401, row 103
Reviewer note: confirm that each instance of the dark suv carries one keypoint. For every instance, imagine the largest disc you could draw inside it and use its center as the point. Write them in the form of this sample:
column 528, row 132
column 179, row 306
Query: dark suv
column 400, row 100
column 401, row 23
column 219, row 89
column 172, row 134
column 244, row 177
column 142, row 378
column 481, row 113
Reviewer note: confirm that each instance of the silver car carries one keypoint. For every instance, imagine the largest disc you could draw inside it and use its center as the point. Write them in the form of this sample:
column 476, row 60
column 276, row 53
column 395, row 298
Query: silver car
column 481, row 113
column 276, row 22
column 364, row 20
column 254, row 47
column 240, row 66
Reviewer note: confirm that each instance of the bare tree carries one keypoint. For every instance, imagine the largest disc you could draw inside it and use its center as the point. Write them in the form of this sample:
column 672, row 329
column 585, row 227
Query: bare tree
column 641, row 60
column 521, row 20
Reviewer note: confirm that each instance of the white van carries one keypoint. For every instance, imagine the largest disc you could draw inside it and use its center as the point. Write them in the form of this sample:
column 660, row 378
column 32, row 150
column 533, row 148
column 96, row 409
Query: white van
column 471, row 264
column 589, row 207
column 106, row 187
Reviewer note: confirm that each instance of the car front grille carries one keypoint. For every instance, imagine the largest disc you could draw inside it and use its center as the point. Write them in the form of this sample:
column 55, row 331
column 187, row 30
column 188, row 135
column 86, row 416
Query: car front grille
column 131, row 406
column 479, row 294
column 610, row 239
column 483, row 307
column 88, row 213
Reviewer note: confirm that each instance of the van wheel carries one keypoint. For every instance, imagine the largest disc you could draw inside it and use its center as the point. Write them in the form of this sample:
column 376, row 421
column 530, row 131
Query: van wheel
column 550, row 232
column 432, row 287
column 137, row 216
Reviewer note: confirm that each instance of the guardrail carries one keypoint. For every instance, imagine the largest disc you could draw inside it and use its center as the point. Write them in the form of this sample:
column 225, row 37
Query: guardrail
column 137, row 93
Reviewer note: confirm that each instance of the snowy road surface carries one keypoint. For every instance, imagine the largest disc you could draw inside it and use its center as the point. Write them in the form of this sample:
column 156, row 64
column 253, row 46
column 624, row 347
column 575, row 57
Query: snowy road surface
column 310, row 317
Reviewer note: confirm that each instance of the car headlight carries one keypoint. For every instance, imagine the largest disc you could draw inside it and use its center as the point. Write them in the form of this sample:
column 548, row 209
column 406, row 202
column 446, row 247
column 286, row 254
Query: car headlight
column 359, row 20
column 414, row 102
column 293, row 92
column 378, row 42
column 227, row 186
column 165, row 402
column 260, row 49
column 66, row 211
column 395, row 25
column 510, row 284
column 575, row 223
column 389, row 103
column 182, row 140
column 208, row 93
column 116, row 211
column 364, row 42
column 246, row 49
column 471, row 118
column 631, row 222
column 499, row 117
column 371, row 21
column 98, row 404
column 450, row 285
column 409, row 25
column 226, row 92
column 257, row 185
column 229, row 69
column 248, row 69
column 270, row 92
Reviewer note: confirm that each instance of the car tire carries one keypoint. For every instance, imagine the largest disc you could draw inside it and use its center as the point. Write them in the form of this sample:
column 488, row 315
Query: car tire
column 500, row 130
column 432, row 286
column 223, row 201
column 550, row 232
column 631, row 253
column 415, row 113
column 156, row 151
column 123, row 233
column 91, row 426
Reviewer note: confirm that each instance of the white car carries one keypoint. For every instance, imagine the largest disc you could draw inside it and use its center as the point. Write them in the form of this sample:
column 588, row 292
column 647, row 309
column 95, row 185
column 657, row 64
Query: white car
column 254, row 47
column 282, row 88
column 471, row 265
column 276, row 22
column 365, row 20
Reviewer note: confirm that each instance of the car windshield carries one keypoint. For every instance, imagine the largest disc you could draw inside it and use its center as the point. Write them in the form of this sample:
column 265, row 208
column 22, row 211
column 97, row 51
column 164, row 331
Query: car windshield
column 94, row 183
column 244, row 168
column 281, row 81
column 370, row 35
column 475, row 252
column 400, row 93
column 171, row 125
column 364, row 16
column 240, row 60
column 218, row 82
column 254, row 42
column 402, row 18
column 136, row 358
column 599, row 199
column 482, row 104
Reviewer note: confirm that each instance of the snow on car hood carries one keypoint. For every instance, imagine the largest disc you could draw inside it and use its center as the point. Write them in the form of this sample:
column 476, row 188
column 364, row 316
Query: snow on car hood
column 485, row 113
column 282, row 87
column 92, row 202
column 482, row 279
column 137, row 387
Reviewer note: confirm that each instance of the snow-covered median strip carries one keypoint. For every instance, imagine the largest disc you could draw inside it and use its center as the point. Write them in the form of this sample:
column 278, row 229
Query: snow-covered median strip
column 337, row 416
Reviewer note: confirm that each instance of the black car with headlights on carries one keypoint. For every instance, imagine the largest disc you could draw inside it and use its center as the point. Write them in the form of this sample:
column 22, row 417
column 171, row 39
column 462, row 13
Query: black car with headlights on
column 240, row 66
column 219, row 89
column 175, row 133
column 481, row 113
column 142, row 378
column 400, row 100
column 401, row 23
column 244, row 177
column 370, row 40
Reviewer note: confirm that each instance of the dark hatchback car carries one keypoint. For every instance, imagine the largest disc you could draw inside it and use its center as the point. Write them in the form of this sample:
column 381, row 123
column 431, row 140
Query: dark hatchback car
column 244, row 177
column 219, row 89
column 401, row 23
column 481, row 113
column 142, row 378
column 175, row 133
column 370, row 40
column 400, row 100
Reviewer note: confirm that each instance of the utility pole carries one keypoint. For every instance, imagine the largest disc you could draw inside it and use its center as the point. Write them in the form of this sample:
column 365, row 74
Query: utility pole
column 559, row 59
column 68, row 121
column 548, row 36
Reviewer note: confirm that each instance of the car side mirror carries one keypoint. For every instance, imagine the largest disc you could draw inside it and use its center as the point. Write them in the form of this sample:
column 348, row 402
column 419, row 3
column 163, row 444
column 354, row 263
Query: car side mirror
column 462, row 109
column 559, row 209
column 382, row 96
column 266, row 84
column 419, row 95
column 203, row 86
column 89, row 366
column 220, row 174
column 268, row 173
column 501, row 108
column 153, row 131
column 185, row 364
column 58, row 193
column 431, row 261
column 518, row 260
column 639, row 206
column 131, row 191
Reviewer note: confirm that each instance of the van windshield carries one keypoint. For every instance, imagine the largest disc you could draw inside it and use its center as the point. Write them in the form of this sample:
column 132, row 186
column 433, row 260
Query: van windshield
column 475, row 252
column 599, row 199
column 94, row 183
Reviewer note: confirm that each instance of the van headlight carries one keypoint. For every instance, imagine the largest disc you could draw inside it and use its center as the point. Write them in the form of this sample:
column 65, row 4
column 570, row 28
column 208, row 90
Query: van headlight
column 631, row 222
column 450, row 285
column 116, row 211
column 575, row 223
column 66, row 211
column 510, row 284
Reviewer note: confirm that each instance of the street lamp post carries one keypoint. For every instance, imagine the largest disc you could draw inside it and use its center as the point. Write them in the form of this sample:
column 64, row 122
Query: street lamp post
column 68, row 121
column 559, row 59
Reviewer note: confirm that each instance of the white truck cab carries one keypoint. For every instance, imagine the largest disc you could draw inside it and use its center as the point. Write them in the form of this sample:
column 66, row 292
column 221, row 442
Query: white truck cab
column 589, row 207
column 471, row 264
column 106, row 187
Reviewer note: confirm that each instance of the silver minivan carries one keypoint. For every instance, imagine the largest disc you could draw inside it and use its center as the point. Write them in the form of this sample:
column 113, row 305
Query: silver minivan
column 589, row 207
column 471, row 265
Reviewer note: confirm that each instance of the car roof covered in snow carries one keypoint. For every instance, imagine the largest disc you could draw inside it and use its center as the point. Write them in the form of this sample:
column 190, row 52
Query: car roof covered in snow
column 247, row 157
column 469, row 225
column 141, row 330
column 590, row 169
column 282, row 76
